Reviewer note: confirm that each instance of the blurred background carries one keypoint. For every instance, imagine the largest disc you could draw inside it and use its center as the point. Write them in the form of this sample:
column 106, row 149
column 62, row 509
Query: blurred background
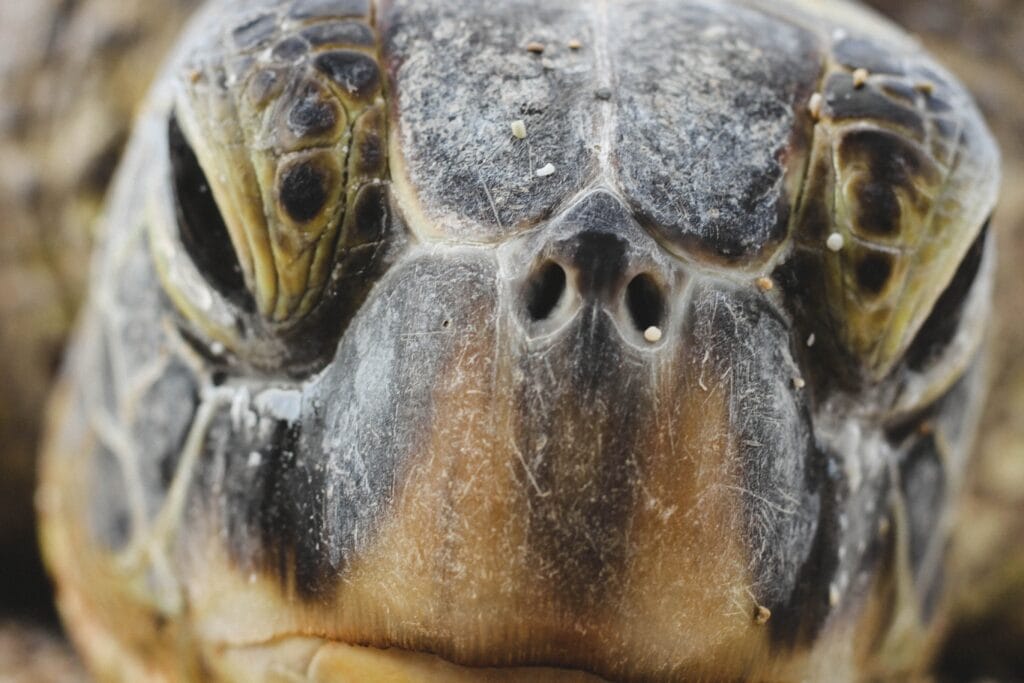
column 72, row 73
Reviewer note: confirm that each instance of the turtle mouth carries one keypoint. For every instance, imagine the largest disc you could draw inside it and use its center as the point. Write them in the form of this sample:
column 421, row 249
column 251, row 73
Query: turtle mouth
column 303, row 658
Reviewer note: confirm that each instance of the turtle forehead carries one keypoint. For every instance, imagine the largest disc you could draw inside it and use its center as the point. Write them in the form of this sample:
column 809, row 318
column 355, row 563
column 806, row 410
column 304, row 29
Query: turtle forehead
column 690, row 109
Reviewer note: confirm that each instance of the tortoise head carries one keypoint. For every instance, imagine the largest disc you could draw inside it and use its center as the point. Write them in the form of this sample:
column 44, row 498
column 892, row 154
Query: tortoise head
column 678, row 384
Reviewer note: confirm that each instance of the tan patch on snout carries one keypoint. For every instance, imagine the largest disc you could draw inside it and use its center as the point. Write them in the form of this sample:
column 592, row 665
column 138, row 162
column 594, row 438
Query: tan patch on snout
column 688, row 605
column 452, row 573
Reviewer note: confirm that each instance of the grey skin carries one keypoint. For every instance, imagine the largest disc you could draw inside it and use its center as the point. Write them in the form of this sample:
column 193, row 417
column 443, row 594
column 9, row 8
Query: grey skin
column 468, row 443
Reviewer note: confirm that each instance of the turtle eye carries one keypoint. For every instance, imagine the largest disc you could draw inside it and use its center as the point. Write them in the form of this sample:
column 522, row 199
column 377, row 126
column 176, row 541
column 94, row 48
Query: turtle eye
column 899, row 183
column 942, row 324
column 201, row 226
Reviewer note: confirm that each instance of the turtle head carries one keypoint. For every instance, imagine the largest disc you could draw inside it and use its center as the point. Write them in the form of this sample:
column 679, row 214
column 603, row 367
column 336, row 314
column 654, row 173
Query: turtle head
column 641, row 356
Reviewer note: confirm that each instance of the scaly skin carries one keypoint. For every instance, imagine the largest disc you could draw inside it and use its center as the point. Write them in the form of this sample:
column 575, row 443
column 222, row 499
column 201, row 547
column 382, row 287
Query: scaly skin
column 982, row 42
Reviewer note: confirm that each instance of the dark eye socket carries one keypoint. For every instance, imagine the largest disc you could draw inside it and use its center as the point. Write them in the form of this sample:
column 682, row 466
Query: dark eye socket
column 200, row 223
column 942, row 324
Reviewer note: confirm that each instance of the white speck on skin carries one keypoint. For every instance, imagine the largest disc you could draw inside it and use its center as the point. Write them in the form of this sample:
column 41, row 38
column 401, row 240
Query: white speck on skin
column 519, row 128
column 810, row 340
column 255, row 458
column 814, row 105
column 799, row 382
column 834, row 242
column 545, row 170
column 217, row 349
column 575, row 44
column 652, row 334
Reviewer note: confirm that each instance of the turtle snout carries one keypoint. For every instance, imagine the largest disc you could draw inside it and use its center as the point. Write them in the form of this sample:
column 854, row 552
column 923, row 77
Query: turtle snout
column 608, row 271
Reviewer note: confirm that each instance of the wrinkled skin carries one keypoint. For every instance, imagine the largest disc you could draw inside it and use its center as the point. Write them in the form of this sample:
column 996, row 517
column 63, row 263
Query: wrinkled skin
column 598, row 211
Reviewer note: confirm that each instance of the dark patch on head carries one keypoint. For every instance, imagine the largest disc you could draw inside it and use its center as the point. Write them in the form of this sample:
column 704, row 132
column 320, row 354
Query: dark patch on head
column 704, row 181
column 314, row 9
column 844, row 102
column 291, row 49
column 942, row 324
column 893, row 164
column 878, row 209
column 201, row 226
column 368, row 157
column 255, row 33
column 873, row 272
column 312, row 113
column 266, row 499
column 582, row 451
column 861, row 53
column 827, row 364
column 601, row 259
column 369, row 216
column 355, row 72
column 598, row 251
column 338, row 33
column 110, row 518
column 162, row 420
column 801, row 616
column 303, row 189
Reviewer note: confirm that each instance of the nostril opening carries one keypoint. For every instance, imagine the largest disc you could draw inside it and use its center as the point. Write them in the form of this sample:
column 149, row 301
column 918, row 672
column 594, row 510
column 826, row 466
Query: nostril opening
column 645, row 302
column 545, row 291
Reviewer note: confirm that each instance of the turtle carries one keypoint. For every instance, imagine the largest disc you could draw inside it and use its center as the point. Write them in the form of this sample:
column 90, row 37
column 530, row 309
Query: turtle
column 454, row 341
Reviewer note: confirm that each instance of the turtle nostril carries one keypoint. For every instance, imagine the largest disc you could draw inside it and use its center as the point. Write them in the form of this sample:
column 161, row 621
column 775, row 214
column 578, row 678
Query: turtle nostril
column 645, row 302
column 545, row 290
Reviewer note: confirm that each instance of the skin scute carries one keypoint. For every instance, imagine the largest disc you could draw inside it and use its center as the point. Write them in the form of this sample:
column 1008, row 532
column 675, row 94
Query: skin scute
column 361, row 391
